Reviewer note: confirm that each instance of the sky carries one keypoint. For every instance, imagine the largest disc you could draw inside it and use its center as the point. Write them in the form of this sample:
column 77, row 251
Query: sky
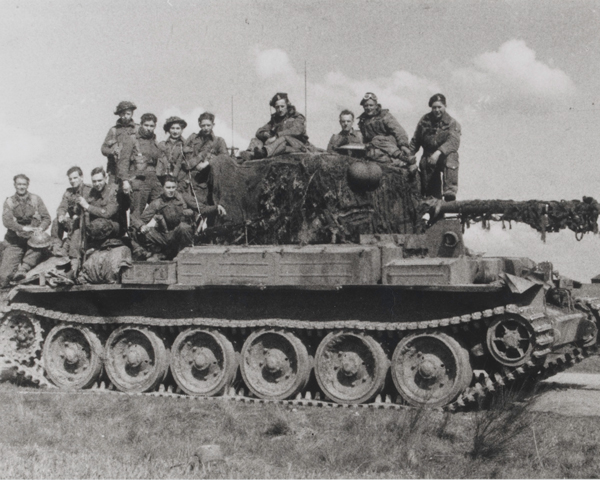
column 520, row 76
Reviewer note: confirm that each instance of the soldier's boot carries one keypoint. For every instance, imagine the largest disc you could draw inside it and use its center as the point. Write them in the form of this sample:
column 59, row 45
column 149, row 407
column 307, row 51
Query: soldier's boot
column 21, row 272
column 450, row 186
column 245, row 156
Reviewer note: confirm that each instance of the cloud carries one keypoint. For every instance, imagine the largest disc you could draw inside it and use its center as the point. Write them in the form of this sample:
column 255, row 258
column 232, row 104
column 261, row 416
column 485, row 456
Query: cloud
column 273, row 62
column 512, row 75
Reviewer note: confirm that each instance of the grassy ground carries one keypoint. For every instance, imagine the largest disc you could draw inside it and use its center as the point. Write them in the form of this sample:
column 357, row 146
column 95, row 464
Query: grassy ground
column 99, row 436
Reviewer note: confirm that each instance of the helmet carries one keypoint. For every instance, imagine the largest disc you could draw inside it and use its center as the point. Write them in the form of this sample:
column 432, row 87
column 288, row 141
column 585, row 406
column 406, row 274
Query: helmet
column 364, row 176
column 122, row 106
column 39, row 240
column 171, row 120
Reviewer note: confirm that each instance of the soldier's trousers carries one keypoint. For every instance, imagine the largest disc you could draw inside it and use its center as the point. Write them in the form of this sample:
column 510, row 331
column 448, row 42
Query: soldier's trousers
column 382, row 148
column 17, row 253
column 170, row 243
column 144, row 191
column 441, row 178
column 280, row 146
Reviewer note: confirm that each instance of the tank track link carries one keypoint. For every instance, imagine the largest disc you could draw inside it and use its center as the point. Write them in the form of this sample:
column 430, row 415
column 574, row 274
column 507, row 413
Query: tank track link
column 483, row 388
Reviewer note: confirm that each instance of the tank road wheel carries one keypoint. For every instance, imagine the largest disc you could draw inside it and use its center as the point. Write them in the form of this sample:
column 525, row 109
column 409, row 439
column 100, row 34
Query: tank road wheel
column 350, row 367
column 510, row 341
column 203, row 362
column 72, row 357
column 20, row 337
column 430, row 369
column 136, row 359
column 275, row 365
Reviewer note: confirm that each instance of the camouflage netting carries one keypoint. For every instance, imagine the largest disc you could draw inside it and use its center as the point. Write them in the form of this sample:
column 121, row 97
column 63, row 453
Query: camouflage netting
column 544, row 216
column 305, row 199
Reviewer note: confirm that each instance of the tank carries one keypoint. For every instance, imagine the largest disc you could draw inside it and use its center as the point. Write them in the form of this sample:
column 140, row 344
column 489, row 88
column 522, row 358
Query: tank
column 326, row 285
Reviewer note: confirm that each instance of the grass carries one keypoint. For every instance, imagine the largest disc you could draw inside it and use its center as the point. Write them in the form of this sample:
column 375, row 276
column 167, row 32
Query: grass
column 112, row 436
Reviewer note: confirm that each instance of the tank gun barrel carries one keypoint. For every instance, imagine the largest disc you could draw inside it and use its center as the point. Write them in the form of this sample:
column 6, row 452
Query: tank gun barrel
column 580, row 216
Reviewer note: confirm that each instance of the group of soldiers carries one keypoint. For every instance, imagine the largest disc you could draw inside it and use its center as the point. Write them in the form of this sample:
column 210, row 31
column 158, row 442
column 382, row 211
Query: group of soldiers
column 155, row 195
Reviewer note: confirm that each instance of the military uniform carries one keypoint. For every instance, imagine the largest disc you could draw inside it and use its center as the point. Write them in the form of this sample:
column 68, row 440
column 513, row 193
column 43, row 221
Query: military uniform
column 70, row 208
column 174, row 231
column 21, row 211
column 119, row 148
column 443, row 135
column 344, row 138
column 145, row 186
column 290, row 131
column 383, row 135
column 173, row 153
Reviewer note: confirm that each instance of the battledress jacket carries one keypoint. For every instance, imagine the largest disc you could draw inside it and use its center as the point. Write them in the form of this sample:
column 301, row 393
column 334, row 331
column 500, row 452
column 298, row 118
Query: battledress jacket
column 383, row 124
column 123, row 136
column 293, row 124
column 104, row 204
column 174, row 155
column 21, row 211
column 172, row 210
column 198, row 147
column 68, row 204
column 344, row 138
column 433, row 134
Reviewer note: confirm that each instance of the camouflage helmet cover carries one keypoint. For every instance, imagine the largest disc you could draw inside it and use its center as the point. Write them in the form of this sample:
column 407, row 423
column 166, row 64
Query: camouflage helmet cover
column 125, row 105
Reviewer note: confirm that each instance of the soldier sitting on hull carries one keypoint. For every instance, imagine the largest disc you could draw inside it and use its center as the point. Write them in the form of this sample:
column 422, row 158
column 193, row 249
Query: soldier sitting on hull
column 386, row 140
column 285, row 132
column 68, row 215
column 173, row 149
column 439, row 136
column 23, row 215
column 348, row 135
column 101, row 209
column 174, row 220
column 119, row 143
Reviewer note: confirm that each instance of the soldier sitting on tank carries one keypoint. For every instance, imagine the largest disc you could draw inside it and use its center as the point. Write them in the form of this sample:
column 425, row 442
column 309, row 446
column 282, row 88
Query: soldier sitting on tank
column 439, row 136
column 173, row 223
column 285, row 132
column 119, row 142
column 348, row 135
column 386, row 140
column 68, row 216
column 24, row 214
column 101, row 209
column 173, row 149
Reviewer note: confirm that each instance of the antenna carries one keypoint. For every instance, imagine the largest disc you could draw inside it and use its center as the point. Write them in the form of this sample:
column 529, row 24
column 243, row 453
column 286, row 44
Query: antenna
column 305, row 93
column 232, row 149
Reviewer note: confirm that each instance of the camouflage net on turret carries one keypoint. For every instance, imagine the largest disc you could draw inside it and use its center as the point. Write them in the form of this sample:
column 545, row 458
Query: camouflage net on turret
column 544, row 216
column 306, row 199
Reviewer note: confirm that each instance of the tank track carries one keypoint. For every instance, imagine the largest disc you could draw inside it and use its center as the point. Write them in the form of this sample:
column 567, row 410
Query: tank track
column 483, row 388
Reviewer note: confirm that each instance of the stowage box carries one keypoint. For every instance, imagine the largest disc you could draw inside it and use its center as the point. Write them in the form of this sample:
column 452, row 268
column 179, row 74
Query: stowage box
column 151, row 273
column 311, row 265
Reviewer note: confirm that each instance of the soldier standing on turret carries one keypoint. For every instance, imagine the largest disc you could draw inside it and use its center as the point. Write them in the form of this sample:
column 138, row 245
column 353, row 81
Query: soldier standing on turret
column 119, row 143
column 173, row 148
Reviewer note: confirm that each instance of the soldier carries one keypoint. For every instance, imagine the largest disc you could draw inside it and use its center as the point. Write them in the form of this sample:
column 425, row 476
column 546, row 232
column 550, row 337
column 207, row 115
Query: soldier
column 172, row 148
column 174, row 218
column 147, row 159
column 285, row 132
column 386, row 140
column 119, row 144
column 23, row 215
column 347, row 135
column 101, row 209
column 439, row 136
column 204, row 144
column 68, row 215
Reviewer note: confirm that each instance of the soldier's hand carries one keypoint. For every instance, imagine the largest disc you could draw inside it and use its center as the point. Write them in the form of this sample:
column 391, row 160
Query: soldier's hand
column 434, row 157
column 28, row 228
column 188, row 212
column 126, row 187
column 144, row 229
column 270, row 140
column 221, row 211
column 62, row 219
column 83, row 202
column 202, row 165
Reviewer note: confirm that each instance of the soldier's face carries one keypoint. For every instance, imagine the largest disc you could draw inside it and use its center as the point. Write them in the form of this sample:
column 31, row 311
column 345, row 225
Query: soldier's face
column 98, row 181
column 370, row 106
column 75, row 179
column 170, row 188
column 149, row 126
column 438, row 109
column 126, row 115
column 206, row 126
column 175, row 130
column 281, row 108
column 346, row 122
column 21, row 186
